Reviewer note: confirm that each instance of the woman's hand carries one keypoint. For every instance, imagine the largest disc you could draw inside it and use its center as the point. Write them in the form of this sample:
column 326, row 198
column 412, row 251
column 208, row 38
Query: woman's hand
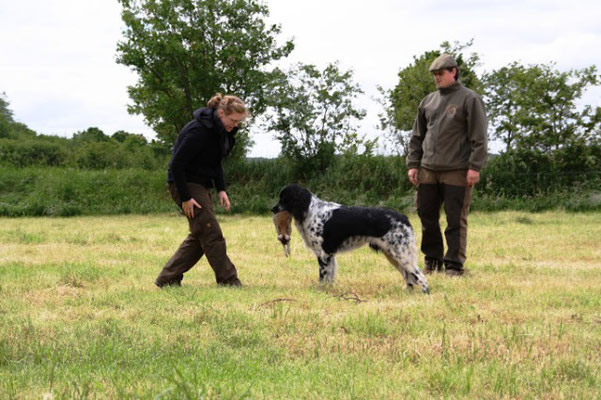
column 224, row 201
column 188, row 207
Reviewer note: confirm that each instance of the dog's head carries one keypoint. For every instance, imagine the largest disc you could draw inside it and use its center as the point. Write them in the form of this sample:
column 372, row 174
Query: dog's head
column 295, row 199
column 294, row 202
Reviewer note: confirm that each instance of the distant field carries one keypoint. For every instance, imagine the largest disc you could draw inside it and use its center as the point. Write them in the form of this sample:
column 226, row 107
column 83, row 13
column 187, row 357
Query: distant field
column 81, row 318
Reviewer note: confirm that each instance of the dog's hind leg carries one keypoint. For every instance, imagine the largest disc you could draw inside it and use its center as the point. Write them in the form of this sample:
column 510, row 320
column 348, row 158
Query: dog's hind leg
column 406, row 263
column 327, row 267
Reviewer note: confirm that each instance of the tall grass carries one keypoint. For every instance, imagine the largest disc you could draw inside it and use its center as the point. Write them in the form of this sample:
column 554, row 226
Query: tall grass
column 253, row 185
column 81, row 318
column 67, row 192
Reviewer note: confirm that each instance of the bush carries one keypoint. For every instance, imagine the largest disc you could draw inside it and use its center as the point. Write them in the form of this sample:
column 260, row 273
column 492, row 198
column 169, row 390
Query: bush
column 66, row 192
column 85, row 155
column 31, row 152
column 522, row 181
column 530, row 173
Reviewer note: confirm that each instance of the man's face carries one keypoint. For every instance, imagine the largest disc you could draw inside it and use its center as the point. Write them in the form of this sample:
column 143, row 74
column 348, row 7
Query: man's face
column 444, row 78
column 230, row 121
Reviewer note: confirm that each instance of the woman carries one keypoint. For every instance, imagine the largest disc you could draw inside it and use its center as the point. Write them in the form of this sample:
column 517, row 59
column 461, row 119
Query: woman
column 194, row 169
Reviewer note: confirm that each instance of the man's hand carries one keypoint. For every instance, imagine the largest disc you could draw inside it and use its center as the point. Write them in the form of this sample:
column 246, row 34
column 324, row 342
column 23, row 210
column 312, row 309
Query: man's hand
column 473, row 177
column 188, row 207
column 413, row 176
column 224, row 201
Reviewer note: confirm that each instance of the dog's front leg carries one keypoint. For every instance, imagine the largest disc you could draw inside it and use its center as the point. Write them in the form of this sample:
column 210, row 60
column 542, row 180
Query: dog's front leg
column 327, row 267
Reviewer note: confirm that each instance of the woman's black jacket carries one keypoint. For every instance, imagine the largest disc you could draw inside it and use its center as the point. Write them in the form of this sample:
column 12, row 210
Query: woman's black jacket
column 198, row 152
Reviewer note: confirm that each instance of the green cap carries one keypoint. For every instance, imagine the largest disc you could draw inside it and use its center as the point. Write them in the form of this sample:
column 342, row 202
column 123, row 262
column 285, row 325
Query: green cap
column 443, row 62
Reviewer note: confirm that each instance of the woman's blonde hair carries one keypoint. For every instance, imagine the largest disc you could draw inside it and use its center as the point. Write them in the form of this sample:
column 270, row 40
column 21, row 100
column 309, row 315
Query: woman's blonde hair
column 228, row 104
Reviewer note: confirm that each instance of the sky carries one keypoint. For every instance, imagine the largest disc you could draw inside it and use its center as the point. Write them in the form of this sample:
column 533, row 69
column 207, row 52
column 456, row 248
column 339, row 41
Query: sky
column 58, row 69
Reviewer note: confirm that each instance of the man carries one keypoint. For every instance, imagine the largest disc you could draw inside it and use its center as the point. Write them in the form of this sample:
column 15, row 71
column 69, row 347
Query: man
column 448, row 147
column 195, row 168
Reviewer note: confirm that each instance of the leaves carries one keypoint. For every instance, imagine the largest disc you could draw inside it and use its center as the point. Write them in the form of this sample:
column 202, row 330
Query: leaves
column 185, row 51
column 314, row 113
column 6, row 117
column 535, row 107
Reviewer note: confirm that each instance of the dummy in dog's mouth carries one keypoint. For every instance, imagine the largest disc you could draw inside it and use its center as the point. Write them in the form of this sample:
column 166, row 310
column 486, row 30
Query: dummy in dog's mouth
column 283, row 226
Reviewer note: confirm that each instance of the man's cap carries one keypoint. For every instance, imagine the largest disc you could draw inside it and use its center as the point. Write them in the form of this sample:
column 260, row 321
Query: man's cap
column 443, row 62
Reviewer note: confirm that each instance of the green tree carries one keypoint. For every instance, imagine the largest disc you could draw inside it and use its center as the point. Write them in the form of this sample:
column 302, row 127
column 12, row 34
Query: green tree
column 130, row 140
column 9, row 128
column 91, row 134
column 6, row 117
column 314, row 116
column 415, row 82
column 120, row 136
column 536, row 107
column 185, row 51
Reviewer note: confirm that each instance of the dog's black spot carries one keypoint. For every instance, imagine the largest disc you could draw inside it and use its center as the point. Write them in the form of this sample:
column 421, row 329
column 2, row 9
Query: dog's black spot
column 347, row 222
column 323, row 266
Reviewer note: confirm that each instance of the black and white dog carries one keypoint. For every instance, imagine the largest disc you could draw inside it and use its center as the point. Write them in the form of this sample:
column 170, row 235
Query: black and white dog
column 328, row 228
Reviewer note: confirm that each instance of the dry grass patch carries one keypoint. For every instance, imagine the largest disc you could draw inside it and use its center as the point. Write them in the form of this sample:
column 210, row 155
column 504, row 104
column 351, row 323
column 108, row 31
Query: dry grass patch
column 80, row 316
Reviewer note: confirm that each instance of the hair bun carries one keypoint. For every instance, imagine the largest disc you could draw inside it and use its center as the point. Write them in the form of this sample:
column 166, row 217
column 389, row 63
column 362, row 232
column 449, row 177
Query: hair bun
column 215, row 101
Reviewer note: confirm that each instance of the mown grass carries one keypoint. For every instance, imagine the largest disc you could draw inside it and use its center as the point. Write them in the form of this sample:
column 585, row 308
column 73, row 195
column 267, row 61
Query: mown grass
column 81, row 318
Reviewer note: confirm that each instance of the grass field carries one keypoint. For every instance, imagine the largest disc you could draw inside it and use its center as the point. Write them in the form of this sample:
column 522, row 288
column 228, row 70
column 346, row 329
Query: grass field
column 81, row 318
